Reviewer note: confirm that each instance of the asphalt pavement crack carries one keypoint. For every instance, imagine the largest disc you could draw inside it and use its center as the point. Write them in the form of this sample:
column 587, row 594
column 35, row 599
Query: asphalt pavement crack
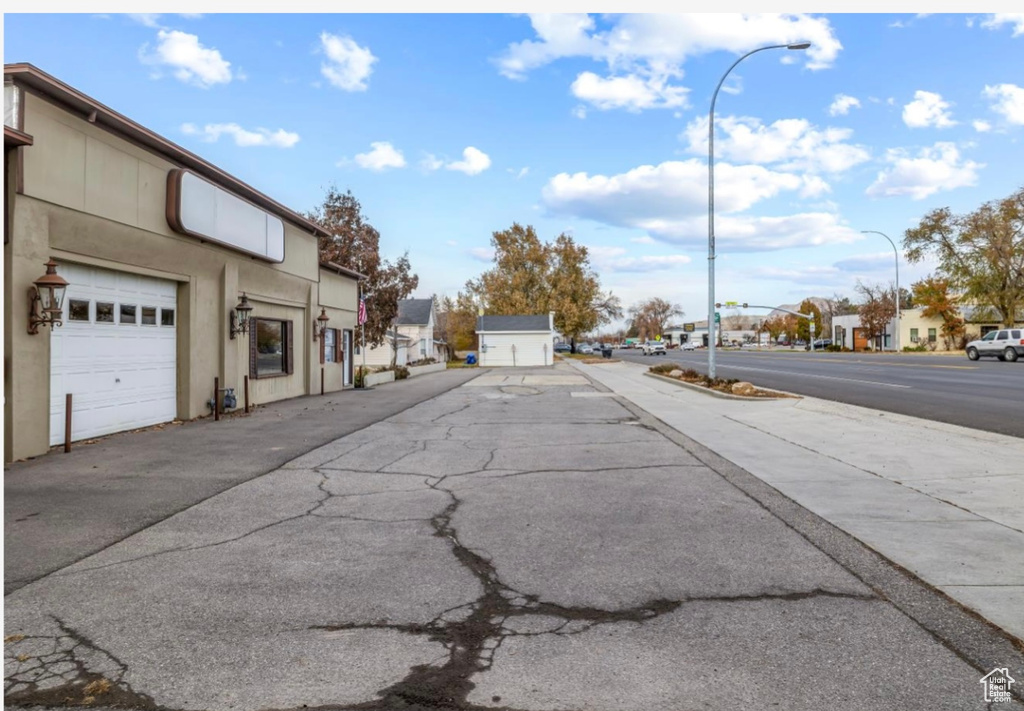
column 66, row 669
column 472, row 639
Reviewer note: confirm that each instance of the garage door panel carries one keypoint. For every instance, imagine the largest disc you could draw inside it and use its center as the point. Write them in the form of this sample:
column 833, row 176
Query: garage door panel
column 122, row 375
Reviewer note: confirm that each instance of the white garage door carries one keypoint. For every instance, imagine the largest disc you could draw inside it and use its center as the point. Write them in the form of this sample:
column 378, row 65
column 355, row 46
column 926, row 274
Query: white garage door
column 515, row 349
column 115, row 353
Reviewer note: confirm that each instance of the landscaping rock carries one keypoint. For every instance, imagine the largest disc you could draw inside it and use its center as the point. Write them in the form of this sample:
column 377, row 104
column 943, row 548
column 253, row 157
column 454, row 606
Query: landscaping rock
column 743, row 388
column 676, row 373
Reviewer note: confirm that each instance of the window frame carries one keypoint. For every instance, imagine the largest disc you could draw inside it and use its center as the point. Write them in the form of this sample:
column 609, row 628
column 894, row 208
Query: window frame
column 933, row 335
column 915, row 336
column 287, row 348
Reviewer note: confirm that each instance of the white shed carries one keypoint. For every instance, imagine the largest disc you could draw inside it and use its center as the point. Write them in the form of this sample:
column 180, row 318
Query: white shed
column 516, row 340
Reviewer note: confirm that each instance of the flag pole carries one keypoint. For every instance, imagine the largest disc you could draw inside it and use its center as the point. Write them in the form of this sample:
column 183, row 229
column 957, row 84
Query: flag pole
column 362, row 327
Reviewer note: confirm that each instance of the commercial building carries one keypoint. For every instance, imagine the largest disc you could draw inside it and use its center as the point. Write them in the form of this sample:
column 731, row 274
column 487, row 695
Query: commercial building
column 177, row 274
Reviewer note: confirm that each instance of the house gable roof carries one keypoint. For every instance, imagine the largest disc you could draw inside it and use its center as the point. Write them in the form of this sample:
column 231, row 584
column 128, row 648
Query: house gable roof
column 513, row 323
column 414, row 312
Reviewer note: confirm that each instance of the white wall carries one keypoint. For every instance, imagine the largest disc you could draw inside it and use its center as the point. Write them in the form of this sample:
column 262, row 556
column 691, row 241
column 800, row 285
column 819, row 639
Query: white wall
column 530, row 349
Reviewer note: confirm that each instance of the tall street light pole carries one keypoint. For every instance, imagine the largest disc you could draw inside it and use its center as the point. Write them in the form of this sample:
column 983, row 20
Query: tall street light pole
column 711, row 199
column 896, row 336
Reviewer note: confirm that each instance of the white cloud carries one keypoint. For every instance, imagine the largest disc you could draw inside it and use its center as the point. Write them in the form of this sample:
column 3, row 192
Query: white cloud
column 794, row 144
column 245, row 138
column 519, row 174
column 473, row 161
column 937, row 168
column 659, row 43
column 616, row 259
column 927, row 109
column 451, row 243
column 842, row 105
column 189, row 60
column 631, row 92
column 580, row 112
column 813, row 275
column 645, row 53
column 877, row 261
column 481, row 254
column 999, row 19
column 381, row 157
column 148, row 19
column 645, row 239
column 431, row 162
column 981, row 126
column 669, row 203
column 348, row 65
column 1009, row 101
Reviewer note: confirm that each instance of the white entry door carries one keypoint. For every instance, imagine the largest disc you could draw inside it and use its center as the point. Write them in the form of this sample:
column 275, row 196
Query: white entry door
column 115, row 353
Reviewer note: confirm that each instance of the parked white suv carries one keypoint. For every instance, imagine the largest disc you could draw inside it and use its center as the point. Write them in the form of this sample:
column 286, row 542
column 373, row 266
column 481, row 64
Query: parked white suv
column 654, row 348
column 1004, row 344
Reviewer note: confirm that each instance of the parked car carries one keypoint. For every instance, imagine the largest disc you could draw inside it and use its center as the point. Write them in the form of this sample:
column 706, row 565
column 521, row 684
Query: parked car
column 654, row 348
column 822, row 343
column 688, row 346
column 563, row 348
column 1004, row 344
column 584, row 349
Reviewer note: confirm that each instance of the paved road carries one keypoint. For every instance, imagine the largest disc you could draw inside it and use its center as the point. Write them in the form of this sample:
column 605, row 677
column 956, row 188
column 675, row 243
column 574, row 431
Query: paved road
column 523, row 545
column 986, row 395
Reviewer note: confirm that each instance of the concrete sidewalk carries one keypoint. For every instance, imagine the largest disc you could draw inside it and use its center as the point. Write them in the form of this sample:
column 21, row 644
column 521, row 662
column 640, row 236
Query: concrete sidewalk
column 60, row 508
column 941, row 501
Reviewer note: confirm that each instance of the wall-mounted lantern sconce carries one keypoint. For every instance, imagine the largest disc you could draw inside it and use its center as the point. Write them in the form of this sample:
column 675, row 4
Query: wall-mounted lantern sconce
column 46, row 299
column 240, row 317
column 320, row 324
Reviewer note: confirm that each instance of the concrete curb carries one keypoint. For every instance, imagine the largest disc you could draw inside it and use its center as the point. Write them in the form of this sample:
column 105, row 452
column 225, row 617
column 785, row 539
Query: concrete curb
column 724, row 396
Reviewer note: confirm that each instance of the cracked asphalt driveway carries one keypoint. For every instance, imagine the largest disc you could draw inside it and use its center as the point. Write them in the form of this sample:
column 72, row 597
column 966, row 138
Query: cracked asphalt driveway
column 527, row 545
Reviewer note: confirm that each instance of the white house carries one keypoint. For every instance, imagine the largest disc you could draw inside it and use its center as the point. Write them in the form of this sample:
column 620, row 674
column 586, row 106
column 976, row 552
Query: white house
column 416, row 318
column 381, row 355
column 516, row 340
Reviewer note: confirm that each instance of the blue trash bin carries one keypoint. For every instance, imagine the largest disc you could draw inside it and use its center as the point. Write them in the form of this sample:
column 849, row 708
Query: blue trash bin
column 471, row 359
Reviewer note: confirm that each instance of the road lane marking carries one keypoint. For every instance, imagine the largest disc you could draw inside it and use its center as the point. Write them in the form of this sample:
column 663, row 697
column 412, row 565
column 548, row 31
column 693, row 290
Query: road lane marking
column 812, row 375
column 865, row 362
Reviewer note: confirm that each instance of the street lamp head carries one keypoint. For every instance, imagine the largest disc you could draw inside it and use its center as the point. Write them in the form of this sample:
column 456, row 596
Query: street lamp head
column 801, row 45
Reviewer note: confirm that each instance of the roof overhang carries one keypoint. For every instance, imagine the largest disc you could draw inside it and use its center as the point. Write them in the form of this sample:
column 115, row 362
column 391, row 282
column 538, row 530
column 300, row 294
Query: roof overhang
column 332, row 267
column 88, row 109
column 14, row 137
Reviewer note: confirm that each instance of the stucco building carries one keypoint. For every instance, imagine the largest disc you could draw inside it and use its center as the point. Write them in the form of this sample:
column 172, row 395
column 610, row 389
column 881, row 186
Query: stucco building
column 158, row 247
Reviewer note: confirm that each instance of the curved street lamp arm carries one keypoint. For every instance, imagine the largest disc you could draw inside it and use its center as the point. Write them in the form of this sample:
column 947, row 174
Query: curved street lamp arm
column 896, row 254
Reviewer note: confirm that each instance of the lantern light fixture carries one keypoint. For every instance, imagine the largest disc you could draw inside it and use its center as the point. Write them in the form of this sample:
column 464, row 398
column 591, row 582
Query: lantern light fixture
column 46, row 299
column 320, row 324
column 240, row 317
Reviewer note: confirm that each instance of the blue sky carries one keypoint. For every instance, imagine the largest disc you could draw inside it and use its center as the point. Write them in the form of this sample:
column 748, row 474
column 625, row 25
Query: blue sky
column 447, row 127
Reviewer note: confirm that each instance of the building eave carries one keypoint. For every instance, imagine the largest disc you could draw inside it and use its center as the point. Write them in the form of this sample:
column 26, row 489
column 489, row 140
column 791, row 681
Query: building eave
column 88, row 109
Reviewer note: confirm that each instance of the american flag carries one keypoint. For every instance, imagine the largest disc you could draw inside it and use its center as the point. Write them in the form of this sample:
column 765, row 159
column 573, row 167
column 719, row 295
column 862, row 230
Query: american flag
column 362, row 312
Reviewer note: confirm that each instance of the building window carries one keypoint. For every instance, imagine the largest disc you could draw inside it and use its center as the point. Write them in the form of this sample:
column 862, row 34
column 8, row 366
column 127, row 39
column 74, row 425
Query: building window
column 148, row 315
column 932, row 336
column 128, row 314
column 104, row 312
column 166, row 317
column 78, row 310
column 270, row 348
column 330, row 345
column 914, row 338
